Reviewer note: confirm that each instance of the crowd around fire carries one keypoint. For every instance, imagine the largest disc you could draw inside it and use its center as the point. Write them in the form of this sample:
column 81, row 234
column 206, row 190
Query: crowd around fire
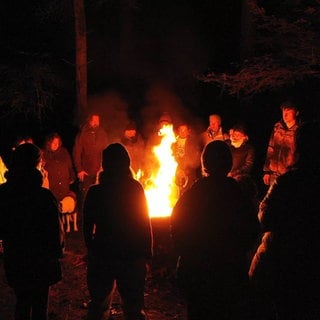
column 231, row 243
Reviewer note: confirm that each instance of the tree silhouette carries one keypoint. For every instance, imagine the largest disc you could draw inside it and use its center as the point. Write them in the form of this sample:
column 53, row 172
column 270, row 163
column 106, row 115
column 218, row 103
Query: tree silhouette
column 285, row 49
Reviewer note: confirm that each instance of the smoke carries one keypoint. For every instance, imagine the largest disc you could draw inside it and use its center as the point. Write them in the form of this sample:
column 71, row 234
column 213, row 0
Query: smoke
column 113, row 111
column 161, row 97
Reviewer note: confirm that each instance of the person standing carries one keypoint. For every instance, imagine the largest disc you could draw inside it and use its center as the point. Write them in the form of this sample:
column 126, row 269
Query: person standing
column 135, row 145
column 58, row 164
column 118, row 237
column 29, row 139
column 186, row 151
column 31, row 232
column 287, row 262
column 281, row 151
column 87, row 153
column 243, row 158
column 214, row 227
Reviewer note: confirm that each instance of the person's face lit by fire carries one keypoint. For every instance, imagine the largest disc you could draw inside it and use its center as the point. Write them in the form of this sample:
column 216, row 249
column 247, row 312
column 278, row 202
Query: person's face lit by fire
column 129, row 134
column 289, row 116
column 94, row 121
column 237, row 138
column 214, row 123
column 183, row 131
column 55, row 144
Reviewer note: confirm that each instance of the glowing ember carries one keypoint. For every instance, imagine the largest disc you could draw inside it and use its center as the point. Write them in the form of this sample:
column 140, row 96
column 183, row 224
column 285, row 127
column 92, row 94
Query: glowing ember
column 161, row 190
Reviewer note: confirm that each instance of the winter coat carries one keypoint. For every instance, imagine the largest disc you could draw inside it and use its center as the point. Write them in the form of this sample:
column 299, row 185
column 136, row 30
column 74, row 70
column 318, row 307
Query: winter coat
column 59, row 166
column 281, row 152
column 242, row 159
column 287, row 262
column 30, row 230
column 117, row 207
column 213, row 229
column 88, row 147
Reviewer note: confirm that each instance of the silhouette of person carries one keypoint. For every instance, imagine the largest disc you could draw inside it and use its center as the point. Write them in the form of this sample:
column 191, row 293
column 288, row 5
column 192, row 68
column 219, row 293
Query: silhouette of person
column 287, row 262
column 214, row 227
column 118, row 237
column 31, row 232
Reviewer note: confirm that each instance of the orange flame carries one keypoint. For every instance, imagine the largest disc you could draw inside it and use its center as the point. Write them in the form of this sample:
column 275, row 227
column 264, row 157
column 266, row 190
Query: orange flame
column 161, row 191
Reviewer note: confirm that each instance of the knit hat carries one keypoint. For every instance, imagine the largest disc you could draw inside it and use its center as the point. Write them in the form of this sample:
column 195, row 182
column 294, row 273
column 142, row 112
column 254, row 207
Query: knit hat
column 115, row 156
column 217, row 158
column 26, row 156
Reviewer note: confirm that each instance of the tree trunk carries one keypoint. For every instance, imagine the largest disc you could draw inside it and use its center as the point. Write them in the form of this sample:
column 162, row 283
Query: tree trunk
column 80, row 58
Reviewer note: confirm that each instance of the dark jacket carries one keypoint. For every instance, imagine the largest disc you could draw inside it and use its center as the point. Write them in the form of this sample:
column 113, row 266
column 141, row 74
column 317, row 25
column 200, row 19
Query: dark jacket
column 30, row 230
column 87, row 151
column 60, row 171
column 117, row 207
column 288, row 258
column 214, row 227
column 242, row 159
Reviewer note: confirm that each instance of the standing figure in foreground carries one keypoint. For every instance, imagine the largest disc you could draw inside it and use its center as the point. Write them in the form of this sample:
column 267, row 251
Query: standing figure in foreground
column 287, row 262
column 186, row 152
column 87, row 153
column 118, row 237
column 31, row 234
column 214, row 227
column 281, row 152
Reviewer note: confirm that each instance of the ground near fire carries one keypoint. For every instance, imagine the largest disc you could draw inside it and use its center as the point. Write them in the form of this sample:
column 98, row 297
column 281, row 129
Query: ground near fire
column 67, row 298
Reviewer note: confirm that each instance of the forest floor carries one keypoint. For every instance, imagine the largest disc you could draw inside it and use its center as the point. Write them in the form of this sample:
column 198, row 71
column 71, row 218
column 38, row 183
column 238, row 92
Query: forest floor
column 67, row 298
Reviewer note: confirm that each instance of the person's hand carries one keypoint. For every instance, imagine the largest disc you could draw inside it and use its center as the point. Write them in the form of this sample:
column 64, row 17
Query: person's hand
column 81, row 175
column 266, row 179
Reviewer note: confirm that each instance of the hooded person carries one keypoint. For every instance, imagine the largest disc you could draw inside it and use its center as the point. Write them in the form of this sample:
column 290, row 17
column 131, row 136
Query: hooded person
column 118, row 237
column 213, row 229
column 31, row 233
column 286, row 264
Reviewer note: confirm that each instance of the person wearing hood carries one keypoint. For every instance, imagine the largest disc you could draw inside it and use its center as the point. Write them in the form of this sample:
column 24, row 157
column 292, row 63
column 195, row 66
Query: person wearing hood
column 58, row 164
column 213, row 229
column 285, row 267
column 30, row 228
column 118, row 237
